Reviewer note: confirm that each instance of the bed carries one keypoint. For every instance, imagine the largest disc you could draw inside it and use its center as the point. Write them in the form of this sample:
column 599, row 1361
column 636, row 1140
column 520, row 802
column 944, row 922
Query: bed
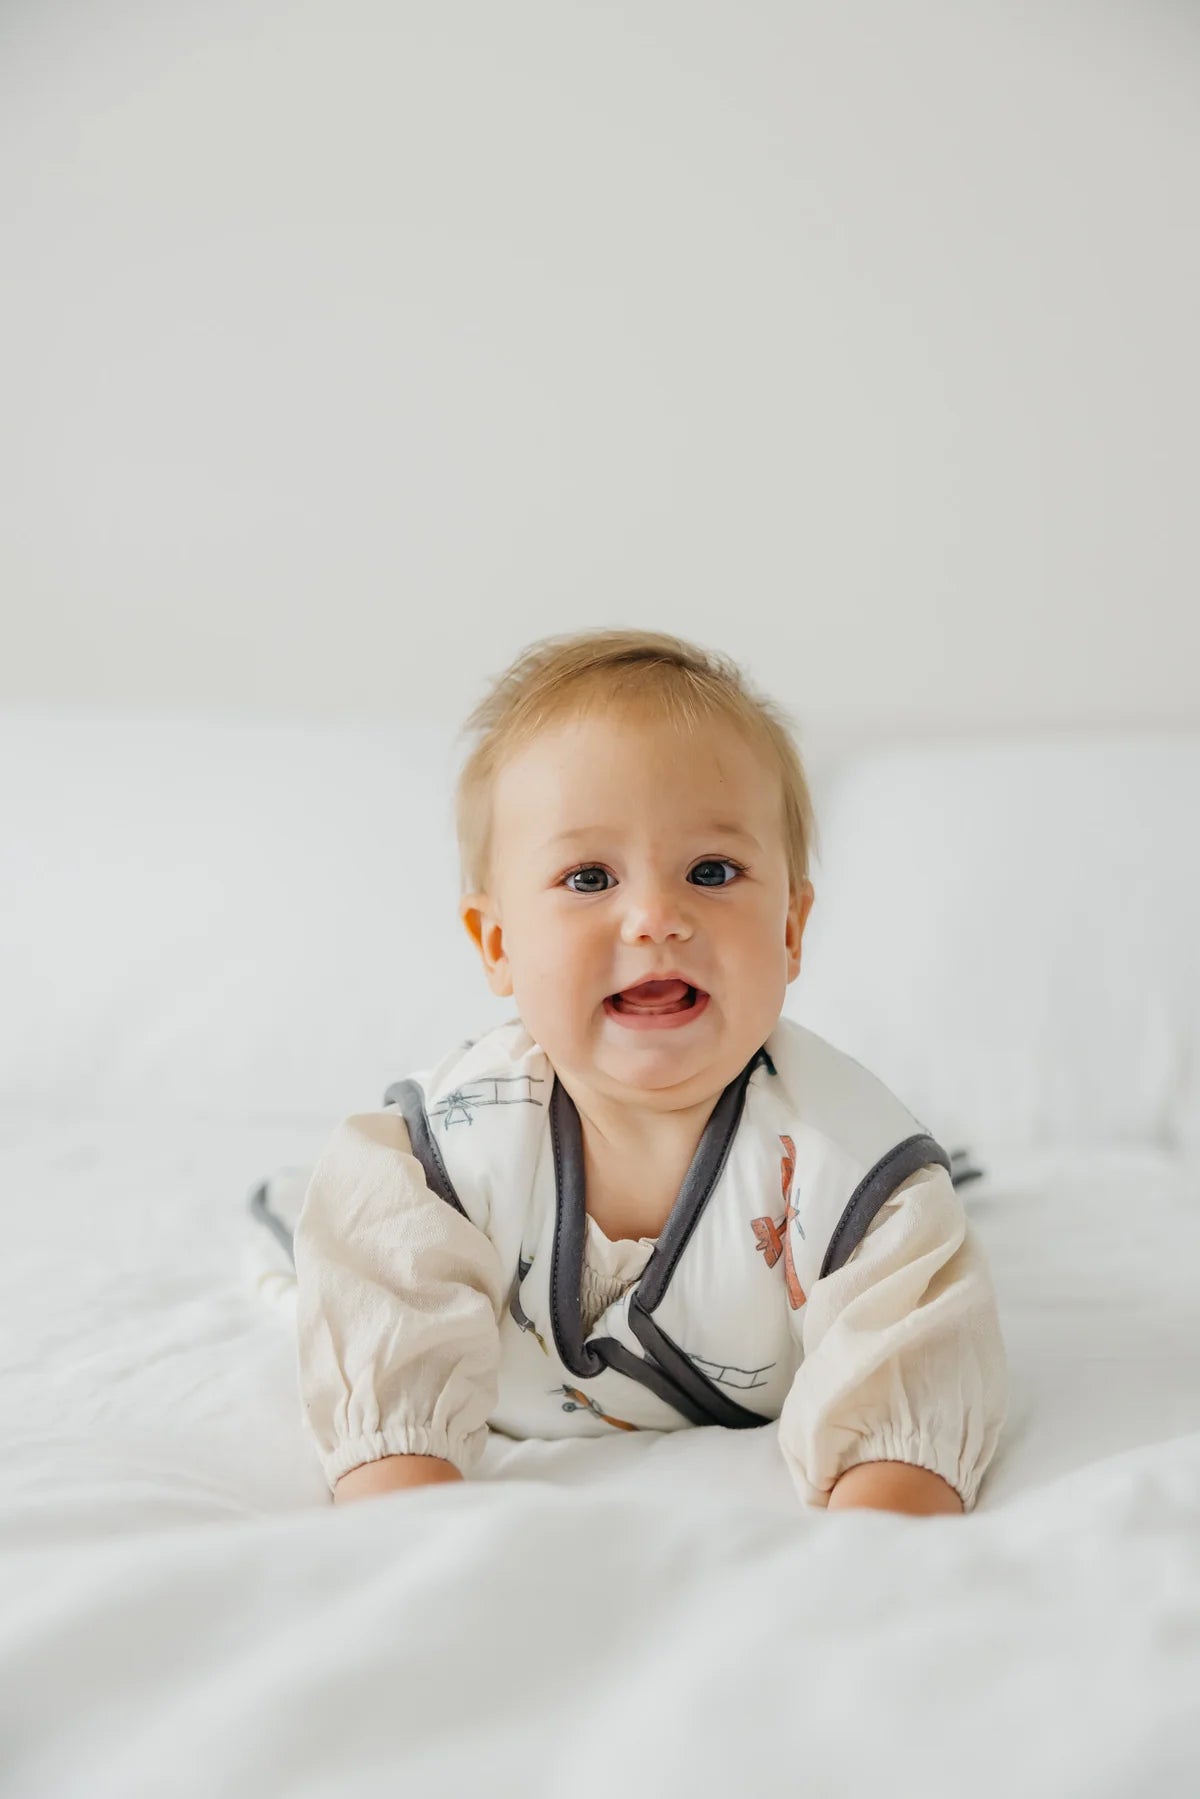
column 220, row 936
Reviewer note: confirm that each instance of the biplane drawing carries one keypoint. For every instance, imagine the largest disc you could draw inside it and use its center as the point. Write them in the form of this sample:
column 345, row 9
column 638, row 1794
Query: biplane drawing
column 460, row 1106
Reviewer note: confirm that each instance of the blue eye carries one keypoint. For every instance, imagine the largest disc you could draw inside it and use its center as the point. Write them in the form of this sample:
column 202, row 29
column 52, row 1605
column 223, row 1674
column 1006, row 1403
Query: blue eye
column 709, row 873
column 588, row 884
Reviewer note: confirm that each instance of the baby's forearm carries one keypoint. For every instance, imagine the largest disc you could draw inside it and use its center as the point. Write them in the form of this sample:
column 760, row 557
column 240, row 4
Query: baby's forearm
column 390, row 1473
column 894, row 1487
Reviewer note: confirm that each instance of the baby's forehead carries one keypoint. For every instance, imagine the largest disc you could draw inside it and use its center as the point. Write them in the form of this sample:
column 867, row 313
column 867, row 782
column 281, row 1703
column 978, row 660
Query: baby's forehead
column 590, row 771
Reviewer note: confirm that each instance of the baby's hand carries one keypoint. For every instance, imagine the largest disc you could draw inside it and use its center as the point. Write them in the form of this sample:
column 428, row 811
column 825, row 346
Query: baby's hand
column 390, row 1473
column 894, row 1487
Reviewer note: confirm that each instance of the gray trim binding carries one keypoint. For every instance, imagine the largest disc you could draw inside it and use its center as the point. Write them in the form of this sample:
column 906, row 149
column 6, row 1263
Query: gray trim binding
column 961, row 1170
column 261, row 1210
column 570, row 1225
column 715, row 1407
column 409, row 1100
column 665, row 1370
column 699, row 1181
column 648, row 1374
column 874, row 1190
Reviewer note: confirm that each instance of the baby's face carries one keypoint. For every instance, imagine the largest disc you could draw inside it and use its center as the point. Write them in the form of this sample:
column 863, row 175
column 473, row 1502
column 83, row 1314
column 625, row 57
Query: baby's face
column 639, row 908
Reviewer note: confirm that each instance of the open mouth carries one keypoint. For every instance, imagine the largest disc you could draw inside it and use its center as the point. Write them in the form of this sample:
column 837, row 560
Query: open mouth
column 656, row 1005
column 655, row 996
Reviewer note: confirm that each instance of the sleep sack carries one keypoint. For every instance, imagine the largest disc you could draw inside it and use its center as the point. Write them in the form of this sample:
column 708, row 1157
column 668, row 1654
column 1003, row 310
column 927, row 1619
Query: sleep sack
column 816, row 1269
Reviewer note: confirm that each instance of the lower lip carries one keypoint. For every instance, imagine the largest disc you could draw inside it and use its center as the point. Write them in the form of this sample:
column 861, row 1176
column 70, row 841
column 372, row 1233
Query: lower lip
column 657, row 1021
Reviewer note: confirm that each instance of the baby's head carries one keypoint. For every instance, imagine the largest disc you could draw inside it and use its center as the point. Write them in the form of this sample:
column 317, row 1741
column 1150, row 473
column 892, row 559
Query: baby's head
column 635, row 829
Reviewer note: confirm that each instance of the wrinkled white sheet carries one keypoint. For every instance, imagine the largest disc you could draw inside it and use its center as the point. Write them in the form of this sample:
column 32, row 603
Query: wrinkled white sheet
column 183, row 1612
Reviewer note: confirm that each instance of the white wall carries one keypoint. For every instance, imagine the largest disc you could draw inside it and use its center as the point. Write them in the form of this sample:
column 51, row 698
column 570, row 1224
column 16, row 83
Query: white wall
column 348, row 345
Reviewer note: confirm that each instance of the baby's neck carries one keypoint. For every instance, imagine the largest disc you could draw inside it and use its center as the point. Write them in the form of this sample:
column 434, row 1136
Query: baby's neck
column 634, row 1163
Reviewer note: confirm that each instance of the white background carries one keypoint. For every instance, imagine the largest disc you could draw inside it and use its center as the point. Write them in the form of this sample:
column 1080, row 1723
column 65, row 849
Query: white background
column 347, row 347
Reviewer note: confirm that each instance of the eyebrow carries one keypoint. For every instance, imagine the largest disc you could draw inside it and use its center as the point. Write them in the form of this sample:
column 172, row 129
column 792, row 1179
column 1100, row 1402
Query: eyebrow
column 714, row 828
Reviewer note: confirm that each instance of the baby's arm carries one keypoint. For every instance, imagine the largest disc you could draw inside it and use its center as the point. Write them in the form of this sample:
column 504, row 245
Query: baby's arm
column 900, row 1399
column 398, row 1301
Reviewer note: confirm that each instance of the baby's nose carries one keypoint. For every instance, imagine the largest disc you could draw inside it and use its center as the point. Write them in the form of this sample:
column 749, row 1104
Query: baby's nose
column 655, row 915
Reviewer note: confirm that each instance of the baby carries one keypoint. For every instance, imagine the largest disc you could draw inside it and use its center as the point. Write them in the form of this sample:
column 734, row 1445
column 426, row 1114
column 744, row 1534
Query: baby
column 648, row 1200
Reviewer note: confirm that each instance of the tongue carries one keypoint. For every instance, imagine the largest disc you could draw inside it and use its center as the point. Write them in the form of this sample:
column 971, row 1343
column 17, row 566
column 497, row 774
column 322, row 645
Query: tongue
column 654, row 996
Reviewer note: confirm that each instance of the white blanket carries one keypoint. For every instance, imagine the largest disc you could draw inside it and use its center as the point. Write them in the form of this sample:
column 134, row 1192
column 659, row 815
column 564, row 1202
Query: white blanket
column 185, row 1613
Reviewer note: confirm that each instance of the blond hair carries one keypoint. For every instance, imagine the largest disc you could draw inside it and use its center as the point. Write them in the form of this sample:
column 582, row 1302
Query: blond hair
column 560, row 676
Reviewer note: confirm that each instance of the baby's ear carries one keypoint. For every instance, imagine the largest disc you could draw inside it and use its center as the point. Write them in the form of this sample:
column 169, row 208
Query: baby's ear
column 799, row 907
column 482, row 921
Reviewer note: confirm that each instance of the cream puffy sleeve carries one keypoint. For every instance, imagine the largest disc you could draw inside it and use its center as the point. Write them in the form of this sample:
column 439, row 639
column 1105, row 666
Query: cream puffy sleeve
column 903, row 1355
column 398, row 1302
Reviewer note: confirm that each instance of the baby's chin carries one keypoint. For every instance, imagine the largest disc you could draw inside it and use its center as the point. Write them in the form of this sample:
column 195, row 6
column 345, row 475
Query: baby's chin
column 649, row 1069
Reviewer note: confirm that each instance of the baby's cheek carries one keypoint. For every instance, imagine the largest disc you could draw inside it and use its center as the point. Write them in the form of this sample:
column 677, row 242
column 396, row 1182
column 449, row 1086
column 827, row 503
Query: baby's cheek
column 542, row 966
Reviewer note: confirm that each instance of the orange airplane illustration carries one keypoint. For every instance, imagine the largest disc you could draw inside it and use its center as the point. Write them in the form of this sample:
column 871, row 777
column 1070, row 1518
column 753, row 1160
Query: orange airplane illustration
column 578, row 1402
column 775, row 1240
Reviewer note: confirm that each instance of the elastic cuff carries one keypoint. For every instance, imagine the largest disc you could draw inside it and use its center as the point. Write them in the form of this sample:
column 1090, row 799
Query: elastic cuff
column 400, row 1439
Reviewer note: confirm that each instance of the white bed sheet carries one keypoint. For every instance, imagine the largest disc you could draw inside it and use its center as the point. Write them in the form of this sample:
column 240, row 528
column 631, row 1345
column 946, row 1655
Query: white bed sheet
column 185, row 1613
